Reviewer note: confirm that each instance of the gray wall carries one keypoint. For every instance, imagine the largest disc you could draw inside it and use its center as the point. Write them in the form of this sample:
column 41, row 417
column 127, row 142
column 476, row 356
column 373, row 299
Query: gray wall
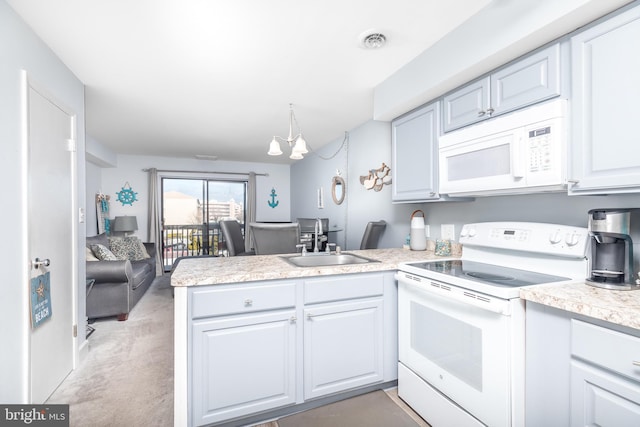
column 127, row 168
column 20, row 49
column 369, row 146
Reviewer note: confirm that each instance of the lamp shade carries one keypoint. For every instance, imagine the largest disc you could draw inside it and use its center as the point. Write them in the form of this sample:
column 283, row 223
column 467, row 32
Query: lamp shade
column 125, row 223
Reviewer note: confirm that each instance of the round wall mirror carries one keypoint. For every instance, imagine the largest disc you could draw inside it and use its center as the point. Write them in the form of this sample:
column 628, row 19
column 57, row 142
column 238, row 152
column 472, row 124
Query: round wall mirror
column 338, row 189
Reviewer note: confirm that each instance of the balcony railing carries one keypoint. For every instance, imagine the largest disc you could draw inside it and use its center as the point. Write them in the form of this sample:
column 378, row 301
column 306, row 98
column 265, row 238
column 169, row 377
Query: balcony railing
column 191, row 240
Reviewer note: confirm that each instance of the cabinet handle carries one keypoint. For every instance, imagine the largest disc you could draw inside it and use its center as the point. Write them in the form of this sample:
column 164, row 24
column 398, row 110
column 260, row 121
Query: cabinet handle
column 481, row 113
column 490, row 111
column 636, row 363
column 309, row 316
column 573, row 181
column 293, row 319
column 248, row 302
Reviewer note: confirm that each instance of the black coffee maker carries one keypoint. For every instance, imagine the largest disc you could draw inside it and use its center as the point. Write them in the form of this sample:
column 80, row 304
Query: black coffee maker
column 613, row 262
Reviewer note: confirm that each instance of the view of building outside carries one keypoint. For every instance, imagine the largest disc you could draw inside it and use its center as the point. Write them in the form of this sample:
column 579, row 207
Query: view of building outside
column 191, row 209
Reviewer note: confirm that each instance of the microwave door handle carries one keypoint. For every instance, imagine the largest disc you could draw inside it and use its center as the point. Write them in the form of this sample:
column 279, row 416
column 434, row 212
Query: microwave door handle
column 516, row 156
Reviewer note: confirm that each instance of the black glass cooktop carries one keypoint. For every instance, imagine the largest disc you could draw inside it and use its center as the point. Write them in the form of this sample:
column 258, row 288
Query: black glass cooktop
column 488, row 273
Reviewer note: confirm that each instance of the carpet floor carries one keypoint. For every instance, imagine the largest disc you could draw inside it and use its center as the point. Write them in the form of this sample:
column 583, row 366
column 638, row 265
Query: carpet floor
column 127, row 377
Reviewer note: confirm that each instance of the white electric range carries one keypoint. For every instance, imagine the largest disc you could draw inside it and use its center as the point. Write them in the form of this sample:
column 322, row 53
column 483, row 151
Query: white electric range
column 462, row 324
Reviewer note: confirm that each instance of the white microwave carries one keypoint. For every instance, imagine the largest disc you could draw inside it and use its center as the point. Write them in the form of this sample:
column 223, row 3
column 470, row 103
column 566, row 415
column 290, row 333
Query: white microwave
column 525, row 151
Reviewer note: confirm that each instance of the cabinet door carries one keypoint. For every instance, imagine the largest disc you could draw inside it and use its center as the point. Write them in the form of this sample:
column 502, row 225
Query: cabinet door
column 599, row 398
column 467, row 105
column 414, row 143
column 343, row 346
column 528, row 81
column 242, row 365
column 605, row 150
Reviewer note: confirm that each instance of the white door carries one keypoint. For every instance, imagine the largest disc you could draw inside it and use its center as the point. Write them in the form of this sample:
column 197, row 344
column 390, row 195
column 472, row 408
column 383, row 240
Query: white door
column 343, row 346
column 51, row 237
column 243, row 365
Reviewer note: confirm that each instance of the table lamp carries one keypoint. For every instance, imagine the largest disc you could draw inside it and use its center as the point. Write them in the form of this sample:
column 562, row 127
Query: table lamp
column 125, row 224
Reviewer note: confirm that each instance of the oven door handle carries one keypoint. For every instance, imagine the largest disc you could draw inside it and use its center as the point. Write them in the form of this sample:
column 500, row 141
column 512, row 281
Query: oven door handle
column 427, row 286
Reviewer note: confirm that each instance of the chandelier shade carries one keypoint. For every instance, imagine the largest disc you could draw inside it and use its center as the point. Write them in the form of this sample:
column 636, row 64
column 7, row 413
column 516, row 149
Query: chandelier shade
column 296, row 142
column 274, row 148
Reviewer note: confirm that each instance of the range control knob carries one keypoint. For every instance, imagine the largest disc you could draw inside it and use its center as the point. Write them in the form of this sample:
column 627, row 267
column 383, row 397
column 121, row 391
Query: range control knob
column 555, row 237
column 472, row 232
column 572, row 239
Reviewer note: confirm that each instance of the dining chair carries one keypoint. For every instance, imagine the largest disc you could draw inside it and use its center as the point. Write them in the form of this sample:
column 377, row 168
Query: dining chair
column 271, row 238
column 233, row 237
column 372, row 234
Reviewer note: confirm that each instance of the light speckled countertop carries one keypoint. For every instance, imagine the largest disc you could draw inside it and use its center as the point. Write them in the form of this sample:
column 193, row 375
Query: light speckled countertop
column 619, row 307
column 212, row 271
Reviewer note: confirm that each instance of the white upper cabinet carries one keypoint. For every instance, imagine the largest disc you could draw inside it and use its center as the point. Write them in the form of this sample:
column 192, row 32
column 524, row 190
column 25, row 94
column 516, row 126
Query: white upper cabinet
column 467, row 105
column 414, row 145
column 532, row 79
column 605, row 148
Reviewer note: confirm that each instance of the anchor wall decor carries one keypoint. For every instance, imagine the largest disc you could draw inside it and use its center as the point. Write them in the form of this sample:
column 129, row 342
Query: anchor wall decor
column 273, row 202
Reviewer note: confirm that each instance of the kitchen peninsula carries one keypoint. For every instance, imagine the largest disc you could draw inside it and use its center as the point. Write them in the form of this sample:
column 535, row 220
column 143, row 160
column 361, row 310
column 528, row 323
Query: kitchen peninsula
column 267, row 331
column 257, row 335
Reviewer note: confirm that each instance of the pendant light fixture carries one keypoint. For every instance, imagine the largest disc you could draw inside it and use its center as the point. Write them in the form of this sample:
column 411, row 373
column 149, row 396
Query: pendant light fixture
column 296, row 142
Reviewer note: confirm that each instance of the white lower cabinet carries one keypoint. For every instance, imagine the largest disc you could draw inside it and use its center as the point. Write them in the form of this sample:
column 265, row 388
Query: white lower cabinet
column 605, row 377
column 250, row 350
column 342, row 346
column 580, row 371
column 599, row 398
column 243, row 365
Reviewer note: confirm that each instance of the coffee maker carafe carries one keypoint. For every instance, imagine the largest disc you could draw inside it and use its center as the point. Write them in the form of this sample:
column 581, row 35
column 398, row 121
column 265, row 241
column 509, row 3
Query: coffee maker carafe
column 613, row 262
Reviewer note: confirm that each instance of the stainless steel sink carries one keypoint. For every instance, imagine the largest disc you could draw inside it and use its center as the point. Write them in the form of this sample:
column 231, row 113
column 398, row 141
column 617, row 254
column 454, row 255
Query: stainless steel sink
column 321, row 260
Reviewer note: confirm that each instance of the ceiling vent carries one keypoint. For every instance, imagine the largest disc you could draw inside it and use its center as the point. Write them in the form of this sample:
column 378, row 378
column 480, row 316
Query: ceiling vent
column 373, row 40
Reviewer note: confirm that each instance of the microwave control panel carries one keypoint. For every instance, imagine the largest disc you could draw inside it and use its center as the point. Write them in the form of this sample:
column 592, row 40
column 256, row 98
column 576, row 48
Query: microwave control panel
column 544, row 151
column 540, row 150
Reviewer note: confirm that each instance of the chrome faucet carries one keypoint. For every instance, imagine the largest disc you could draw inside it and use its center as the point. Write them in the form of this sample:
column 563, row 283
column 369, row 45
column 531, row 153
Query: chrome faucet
column 316, row 231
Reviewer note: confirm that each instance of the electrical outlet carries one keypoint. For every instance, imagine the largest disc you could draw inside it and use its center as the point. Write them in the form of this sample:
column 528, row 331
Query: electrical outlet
column 447, row 232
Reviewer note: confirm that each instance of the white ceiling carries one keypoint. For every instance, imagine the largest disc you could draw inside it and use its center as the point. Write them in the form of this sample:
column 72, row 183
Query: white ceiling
column 182, row 78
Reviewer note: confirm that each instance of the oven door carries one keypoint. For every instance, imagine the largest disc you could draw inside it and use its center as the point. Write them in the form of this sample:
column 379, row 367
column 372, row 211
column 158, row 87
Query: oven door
column 460, row 348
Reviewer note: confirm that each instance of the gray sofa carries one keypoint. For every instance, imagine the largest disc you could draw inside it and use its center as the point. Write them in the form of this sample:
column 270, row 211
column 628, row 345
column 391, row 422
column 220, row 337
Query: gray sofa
column 119, row 285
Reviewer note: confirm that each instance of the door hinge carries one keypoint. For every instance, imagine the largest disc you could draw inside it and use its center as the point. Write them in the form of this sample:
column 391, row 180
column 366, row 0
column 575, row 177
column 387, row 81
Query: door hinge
column 75, row 331
column 71, row 145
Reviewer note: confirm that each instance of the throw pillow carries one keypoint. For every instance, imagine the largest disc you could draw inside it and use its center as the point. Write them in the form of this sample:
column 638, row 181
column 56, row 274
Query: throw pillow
column 90, row 256
column 103, row 253
column 130, row 248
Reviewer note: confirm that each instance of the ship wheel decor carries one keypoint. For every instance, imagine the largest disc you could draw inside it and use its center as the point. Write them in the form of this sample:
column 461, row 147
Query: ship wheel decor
column 376, row 178
column 127, row 196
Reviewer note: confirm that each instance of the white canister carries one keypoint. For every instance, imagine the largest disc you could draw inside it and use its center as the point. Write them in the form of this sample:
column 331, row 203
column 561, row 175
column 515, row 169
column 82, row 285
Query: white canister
column 418, row 240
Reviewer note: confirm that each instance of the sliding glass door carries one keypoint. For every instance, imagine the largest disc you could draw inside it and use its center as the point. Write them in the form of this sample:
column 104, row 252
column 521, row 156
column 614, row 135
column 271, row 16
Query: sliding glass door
column 191, row 210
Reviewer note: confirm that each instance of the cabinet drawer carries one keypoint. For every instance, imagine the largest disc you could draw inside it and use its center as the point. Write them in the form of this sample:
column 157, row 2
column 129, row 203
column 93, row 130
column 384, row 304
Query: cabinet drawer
column 343, row 287
column 242, row 299
column 610, row 349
